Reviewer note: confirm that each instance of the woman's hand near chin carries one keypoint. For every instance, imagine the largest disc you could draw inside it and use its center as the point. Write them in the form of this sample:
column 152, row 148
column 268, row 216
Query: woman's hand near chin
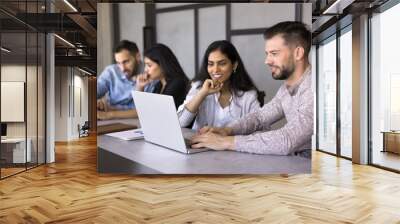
column 141, row 81
column 211, row 87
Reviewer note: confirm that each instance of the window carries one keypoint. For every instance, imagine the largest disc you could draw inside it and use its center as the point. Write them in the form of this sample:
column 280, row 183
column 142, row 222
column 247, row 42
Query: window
column 346, row 75
column 327, row 95
column 385, row 86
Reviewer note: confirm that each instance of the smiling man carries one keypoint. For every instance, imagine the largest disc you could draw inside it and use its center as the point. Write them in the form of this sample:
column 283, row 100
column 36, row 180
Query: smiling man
column 115, row 83
column 287, row 46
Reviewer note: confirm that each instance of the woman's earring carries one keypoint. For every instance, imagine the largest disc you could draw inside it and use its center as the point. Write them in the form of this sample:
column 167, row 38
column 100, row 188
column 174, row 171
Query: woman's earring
column 234, row 70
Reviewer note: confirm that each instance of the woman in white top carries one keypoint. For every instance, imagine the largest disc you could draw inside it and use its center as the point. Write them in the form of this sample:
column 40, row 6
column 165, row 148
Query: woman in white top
column 222, row 92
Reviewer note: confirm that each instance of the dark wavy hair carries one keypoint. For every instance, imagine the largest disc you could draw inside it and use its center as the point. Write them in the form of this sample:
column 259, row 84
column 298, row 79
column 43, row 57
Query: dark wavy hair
column 127, row 45
column 165, row 58
column 240, row 80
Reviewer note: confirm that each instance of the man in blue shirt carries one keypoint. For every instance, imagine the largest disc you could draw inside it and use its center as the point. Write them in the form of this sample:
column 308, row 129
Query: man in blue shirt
column 115, row 83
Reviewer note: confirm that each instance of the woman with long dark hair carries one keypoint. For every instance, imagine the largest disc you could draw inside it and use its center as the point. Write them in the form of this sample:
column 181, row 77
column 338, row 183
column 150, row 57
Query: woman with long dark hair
column 161, row 64
column 221, row 92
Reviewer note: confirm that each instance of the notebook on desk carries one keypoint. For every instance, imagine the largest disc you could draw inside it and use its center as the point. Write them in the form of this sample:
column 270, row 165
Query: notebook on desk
column 109, row 128
column 128, row 135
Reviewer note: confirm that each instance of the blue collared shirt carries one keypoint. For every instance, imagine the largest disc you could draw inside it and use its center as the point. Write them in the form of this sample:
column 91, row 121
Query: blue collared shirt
column 113, row 82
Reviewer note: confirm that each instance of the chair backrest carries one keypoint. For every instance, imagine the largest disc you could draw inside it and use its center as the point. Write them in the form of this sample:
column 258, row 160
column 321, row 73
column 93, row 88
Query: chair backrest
column 86, row 125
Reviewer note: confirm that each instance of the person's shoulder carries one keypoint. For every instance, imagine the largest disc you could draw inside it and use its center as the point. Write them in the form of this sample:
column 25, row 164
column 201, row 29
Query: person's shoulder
column 112, row 67
column 249, row 94
column 178, row 82
column 306, row 85
column 196, row 84
column 194, row 87
column 307, row 82
column 181, row 80
column 281, row 90
column 110, row 70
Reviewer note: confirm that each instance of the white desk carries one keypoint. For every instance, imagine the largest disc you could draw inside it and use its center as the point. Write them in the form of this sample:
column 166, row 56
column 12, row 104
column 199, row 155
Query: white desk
column 16, row 146
column 123, row 121
column 140, row 157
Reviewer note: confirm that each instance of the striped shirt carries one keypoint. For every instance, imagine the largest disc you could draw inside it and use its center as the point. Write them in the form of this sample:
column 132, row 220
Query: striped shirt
column 210, row 112
column 296, row 104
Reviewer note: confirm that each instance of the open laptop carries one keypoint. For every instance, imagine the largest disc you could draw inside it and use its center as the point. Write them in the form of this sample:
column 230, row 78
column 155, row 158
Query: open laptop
column 160, row 124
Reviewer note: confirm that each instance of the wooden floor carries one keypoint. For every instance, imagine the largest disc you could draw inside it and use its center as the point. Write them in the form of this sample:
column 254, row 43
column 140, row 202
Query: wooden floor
column 386, row 159
column 70, row 191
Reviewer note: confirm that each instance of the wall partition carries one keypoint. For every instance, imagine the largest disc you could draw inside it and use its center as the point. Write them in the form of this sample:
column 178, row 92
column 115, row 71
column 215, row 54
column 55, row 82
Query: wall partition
column 205, row 23
column 22, row 87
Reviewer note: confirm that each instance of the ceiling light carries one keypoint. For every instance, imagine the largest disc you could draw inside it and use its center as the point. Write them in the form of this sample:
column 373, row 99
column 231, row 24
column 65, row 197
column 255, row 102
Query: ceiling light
column 70, row 5
column 64, row 40
column 84, row 71
column 338, row 6
column 5, row 50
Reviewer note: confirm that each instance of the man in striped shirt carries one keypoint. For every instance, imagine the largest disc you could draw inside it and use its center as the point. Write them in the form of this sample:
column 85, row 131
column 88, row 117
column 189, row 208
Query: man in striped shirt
column 287, row 46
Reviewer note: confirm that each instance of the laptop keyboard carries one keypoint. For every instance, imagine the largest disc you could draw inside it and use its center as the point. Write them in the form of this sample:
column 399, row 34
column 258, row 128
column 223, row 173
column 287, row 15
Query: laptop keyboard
column 187, row 136
column 187, row 142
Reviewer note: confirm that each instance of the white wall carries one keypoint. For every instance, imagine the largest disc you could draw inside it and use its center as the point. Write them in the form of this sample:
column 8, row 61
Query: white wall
column 178, row 34
column 70, row 84
column 260, row 15
column 132, row 21
column 12, row 73
column 306, row 13
column 33, row 126
column 105, row 31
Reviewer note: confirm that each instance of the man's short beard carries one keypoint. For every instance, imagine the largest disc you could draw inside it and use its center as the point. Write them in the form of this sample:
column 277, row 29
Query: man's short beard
column 286, row 72
column 135, row 69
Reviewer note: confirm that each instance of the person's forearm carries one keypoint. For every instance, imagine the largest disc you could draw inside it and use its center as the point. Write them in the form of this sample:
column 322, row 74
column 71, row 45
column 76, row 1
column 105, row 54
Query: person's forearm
column 194, row 104
column 229, row 142
column 101, row 90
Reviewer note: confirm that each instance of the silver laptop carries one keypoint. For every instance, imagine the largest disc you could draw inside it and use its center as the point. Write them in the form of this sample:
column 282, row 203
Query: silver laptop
column 160, row 124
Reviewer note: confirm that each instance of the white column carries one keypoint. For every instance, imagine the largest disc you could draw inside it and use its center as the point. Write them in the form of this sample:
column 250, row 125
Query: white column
column 50, row 99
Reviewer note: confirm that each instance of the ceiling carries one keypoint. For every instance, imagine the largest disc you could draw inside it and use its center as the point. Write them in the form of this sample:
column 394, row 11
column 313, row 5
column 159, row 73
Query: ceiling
column 74, row 22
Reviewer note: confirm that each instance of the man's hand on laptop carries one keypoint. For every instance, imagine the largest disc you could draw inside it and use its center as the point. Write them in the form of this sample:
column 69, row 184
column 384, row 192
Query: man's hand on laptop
column 213, row 141
column 221, row 131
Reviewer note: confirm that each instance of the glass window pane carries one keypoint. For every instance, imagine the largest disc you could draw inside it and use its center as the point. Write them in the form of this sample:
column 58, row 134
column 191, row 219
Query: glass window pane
column 31, row 97
column 41, row 98
column 385, row 87
column 327, row 96
column 13, row 83
column 346, row 94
